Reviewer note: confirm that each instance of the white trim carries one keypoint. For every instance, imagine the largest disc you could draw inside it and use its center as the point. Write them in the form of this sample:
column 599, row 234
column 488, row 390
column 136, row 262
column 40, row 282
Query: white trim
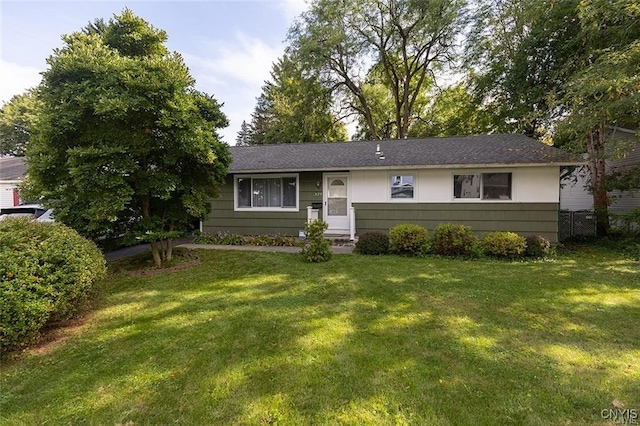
column 265, row 176
column 325, row 194
column 415, row 174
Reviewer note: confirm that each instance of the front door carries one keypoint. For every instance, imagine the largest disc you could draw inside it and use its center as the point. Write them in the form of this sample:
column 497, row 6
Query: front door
column 336, row 202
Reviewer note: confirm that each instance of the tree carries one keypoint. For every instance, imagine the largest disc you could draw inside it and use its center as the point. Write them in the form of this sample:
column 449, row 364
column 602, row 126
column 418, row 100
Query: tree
column 454, row 111
column 18, row 119
column 603, row 95
column 125, row 143
column 382, row 104
column 564, row 68
column 518, row 52
column 293, row 108
column 244, row 134
column 410, row 40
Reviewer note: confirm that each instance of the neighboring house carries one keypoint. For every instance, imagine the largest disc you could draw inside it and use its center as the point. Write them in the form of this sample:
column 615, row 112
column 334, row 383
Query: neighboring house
column 12, row 170
column 575, row 195
column 491, row 183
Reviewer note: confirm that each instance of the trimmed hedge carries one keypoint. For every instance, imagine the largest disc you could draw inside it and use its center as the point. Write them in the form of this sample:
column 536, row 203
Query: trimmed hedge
column 47, row 273
column 408, row 239
column 453, row 240
column 502, row 244
column 373, row 243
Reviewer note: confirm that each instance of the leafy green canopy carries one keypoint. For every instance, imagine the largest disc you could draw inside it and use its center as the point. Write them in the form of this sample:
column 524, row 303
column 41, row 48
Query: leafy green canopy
column 18, row 119
column 293, row 108
column 125, row 143
column 566, row 69
column 378, row 55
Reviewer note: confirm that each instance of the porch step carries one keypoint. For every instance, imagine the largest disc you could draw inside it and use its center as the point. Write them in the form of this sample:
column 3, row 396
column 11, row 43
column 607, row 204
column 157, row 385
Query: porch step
column 339, row 236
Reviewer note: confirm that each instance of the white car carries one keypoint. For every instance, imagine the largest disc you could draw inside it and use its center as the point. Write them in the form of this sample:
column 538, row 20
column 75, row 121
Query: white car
column 35, row 211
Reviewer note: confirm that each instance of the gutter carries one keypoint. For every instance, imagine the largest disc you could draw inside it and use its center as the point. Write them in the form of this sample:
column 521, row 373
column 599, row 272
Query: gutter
column 413, row 167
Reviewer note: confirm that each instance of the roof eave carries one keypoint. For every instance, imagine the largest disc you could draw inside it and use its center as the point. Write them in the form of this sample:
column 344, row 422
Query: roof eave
column 412, row 167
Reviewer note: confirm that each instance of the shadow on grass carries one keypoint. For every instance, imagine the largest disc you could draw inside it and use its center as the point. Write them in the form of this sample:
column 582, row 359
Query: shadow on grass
column 262, row 338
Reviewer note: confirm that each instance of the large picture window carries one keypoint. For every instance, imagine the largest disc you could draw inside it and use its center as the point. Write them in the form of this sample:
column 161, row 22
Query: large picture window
column 402, row 187
column 485, row 186
column 266, row 192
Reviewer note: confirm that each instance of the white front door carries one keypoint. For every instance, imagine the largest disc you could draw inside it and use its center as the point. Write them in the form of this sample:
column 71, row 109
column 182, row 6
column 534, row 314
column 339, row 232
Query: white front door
column 336, row 202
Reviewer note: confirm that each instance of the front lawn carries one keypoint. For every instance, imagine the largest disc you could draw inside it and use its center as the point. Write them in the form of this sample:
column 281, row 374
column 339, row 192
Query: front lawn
column 264, row 338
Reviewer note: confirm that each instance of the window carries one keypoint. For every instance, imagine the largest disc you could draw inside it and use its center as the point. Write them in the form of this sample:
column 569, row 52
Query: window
column 466, row 186
column 266, row 192
column 486, row 186
column 402, row 187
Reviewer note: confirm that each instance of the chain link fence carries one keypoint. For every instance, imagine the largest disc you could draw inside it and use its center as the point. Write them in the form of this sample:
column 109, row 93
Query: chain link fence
column 580, row 223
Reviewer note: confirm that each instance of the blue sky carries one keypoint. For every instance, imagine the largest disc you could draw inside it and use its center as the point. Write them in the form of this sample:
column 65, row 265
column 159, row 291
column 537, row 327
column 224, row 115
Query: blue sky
column 228, row 45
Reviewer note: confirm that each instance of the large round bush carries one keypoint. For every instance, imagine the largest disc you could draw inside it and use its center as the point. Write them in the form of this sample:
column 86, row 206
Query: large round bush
column 373, row 243
column 453, row 240
column 501, row 244
column 408, row 239
column 47, row 273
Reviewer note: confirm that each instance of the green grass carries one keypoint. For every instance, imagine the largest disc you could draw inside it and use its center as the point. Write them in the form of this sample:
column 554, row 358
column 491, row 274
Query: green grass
column 263, row 338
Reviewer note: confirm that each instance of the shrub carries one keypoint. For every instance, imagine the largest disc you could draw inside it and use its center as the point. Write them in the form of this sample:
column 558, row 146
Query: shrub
column 453, row 240
column 502, row 244
column 537, row 246
column 373, row 243
column 271, row 241
column 408, row 239
column 220, row 238
column 47, row 273
column 316, row 248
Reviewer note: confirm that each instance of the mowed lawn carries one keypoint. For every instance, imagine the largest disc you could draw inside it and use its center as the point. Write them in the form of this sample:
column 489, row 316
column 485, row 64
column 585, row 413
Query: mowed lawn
column 263, row 338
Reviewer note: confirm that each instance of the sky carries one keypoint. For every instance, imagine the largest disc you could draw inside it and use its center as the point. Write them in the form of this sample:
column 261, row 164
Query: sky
column 228, row 45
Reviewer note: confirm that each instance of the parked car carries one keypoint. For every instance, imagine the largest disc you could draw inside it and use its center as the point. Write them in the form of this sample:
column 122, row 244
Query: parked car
column 34, row 211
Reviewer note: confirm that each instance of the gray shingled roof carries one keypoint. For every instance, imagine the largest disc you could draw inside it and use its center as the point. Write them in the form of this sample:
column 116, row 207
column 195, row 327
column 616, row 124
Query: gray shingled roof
column 12, row 168
column 459, row 151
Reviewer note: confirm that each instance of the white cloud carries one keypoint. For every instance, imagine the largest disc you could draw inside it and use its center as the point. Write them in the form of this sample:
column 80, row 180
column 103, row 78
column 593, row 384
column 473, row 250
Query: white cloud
column 292, row 8
column 234, row 71
column 243, row 59
column 16, row 79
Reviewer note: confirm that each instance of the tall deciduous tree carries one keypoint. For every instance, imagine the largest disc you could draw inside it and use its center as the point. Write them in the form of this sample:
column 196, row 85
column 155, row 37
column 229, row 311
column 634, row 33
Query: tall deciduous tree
column 454, row 111
column 293, row 108
column 18, row 119
column 410, row 40
column 604, row 93
column 520, row 52
column 125, row 143
column 564, row 66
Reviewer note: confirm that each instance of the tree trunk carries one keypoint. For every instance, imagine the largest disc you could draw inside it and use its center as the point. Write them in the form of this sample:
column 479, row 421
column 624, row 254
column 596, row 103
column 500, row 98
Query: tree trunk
column 157, row 261
column 169, row 252
column 595, row 149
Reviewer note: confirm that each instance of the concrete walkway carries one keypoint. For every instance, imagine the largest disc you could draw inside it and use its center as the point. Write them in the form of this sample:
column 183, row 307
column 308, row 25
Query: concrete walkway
column 347, row 249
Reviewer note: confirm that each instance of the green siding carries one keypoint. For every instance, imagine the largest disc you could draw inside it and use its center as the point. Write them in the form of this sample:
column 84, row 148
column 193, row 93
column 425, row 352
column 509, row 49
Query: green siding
column 523, row 218
column 224, row 219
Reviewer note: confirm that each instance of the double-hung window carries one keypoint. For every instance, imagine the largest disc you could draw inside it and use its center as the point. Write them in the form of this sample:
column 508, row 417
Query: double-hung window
column 266, row 192
column 485, row 186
